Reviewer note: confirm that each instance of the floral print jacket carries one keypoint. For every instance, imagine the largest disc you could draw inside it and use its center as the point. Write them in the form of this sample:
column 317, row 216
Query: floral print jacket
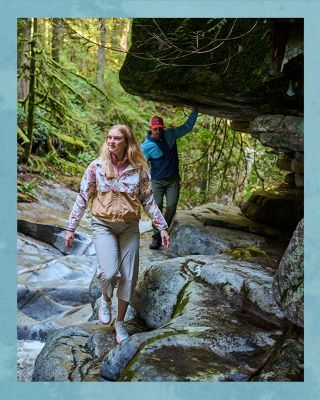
column 117, row 199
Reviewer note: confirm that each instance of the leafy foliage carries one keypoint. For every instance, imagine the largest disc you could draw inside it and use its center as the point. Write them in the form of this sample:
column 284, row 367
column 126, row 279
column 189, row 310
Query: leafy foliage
column 26, row 191
column 218, row 163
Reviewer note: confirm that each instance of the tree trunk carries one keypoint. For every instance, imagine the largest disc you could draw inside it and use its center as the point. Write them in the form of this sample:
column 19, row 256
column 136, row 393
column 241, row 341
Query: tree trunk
column 24, row 33
column 31, row 98
column 124, row 35
column 203, row 175
column 57, row 30
column 101, row 52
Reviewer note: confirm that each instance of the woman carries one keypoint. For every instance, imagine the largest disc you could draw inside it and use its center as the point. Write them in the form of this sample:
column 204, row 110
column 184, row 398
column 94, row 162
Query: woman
column 117, row 182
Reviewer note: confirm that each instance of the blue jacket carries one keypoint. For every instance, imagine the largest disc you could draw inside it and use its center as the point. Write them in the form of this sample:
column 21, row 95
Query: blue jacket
column 162, row 153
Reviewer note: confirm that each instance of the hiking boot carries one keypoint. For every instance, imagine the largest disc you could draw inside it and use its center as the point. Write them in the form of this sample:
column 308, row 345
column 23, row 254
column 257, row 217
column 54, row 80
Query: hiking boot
column 121, row 331
column 105, row 311
column 156, row 242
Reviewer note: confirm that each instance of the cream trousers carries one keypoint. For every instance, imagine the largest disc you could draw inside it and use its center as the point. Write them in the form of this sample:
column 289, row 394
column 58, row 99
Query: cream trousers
column 117, row 249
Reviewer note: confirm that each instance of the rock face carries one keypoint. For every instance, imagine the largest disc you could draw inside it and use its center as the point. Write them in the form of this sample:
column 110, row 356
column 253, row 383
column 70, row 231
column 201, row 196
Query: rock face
column 192, row 61
column 286, row 364
column 282, row 209
column 54, row 235
column 279, row 131
column 288, row 284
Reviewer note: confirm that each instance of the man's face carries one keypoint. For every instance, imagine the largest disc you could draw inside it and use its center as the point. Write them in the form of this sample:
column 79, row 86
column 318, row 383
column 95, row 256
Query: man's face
column 156, row 132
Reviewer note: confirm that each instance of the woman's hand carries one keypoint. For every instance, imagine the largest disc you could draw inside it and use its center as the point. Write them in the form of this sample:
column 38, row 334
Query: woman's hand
column 68, row 239
column 165, row 239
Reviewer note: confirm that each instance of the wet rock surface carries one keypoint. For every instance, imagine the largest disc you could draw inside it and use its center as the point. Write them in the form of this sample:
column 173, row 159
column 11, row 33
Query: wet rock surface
column 27, row 351
column 53, row 206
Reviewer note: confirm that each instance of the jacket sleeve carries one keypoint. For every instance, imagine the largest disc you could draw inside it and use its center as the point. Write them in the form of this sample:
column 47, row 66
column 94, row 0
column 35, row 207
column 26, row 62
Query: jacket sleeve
column 186, row 127
column 144, row 149
column 87, row 188
column 149, row 205
column 150, row 150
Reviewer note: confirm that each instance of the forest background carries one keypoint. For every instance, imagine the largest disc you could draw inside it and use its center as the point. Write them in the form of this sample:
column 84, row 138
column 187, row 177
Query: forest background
column 69, row 95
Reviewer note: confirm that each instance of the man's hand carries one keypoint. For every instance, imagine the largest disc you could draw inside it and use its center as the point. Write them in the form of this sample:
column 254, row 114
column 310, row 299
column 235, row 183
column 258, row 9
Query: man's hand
column 68, row 239
column 165, row 239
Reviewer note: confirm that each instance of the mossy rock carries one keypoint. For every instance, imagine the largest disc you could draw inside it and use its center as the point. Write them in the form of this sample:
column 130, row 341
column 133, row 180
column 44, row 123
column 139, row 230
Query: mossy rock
column 246, row 253
column 230, row 78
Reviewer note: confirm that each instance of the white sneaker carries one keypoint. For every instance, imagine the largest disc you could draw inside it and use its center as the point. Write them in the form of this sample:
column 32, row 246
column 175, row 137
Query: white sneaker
column 105, row 311
column 121, row 331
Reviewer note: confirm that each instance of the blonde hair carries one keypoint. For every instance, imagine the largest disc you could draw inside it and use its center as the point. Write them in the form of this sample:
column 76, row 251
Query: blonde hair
column 134, row 154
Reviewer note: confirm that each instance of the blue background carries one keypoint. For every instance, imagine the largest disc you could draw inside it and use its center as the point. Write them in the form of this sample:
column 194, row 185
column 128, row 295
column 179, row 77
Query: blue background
column 11, row 10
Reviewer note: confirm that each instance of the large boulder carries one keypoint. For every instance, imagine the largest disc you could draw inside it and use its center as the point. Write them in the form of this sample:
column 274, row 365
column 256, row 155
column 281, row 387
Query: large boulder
column 75, row 353
column 162, row 291
column 258, row 72
column 203, row 328
column 67, row 353
column 288, row 283
column 157, row 291
column 212, row 229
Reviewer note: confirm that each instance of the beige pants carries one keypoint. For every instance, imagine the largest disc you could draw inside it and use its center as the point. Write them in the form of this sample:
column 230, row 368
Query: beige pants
column 117, row 248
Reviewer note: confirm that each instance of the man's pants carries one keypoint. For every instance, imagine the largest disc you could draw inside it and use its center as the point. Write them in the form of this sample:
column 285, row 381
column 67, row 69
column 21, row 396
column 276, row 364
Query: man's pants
column 170, row 189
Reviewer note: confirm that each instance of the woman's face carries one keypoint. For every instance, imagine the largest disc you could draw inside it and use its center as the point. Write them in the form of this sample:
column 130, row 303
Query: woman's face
column 116, row 142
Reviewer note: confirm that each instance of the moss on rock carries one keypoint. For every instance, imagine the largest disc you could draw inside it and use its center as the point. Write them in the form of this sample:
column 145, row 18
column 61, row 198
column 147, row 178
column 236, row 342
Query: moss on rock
column 223, row 64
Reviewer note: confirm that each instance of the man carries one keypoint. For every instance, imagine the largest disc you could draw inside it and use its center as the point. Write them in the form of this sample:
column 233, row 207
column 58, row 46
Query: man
column 160, row 149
